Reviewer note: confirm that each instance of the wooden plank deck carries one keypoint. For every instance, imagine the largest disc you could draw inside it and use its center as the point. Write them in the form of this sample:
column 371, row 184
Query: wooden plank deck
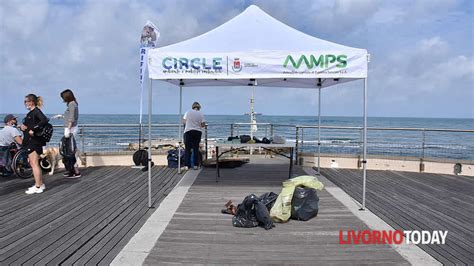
column 199, row 234
column 77, row 221
column 419, row 201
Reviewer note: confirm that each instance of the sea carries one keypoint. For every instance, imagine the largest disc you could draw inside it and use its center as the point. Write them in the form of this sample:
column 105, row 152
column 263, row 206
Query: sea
column 393, row 136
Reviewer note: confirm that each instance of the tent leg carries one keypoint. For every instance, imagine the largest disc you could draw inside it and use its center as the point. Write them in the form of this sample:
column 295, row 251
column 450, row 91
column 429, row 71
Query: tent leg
column 319, row 130
column 180, row 126
column 364, row 160
column 149, row 141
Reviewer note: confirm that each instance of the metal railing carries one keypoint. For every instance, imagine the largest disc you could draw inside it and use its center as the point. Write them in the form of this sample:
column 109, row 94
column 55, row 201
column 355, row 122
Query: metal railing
column 424, row 144
column 421, row 143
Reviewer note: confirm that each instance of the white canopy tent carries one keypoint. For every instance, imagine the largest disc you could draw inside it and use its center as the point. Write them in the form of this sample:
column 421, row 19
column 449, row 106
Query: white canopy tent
column 255, row 49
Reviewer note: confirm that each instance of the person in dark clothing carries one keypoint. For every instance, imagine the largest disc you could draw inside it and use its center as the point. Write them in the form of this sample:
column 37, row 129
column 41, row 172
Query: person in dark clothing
column 194, row 121
column 34, row 121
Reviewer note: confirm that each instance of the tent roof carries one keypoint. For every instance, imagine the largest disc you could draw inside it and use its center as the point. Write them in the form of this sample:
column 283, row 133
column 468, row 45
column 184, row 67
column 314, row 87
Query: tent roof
column 254, row 32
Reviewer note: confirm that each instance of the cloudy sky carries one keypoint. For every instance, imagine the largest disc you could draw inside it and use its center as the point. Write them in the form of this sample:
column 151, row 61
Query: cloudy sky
column 421, row 55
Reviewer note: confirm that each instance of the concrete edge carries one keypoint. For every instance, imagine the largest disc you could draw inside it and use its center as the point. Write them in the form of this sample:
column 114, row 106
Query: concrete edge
column 411, row 252
column 138, row 248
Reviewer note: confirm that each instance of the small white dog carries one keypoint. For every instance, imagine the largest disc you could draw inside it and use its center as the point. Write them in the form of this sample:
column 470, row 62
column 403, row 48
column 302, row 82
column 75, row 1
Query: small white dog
column 50, row 159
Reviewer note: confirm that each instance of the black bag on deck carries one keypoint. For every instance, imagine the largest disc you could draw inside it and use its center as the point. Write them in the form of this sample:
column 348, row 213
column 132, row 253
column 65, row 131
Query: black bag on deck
column 268, row 199
column 140, row 157
column 245, row 215
column 244, row 138
column 305, row 204
column 67, row 149
column 173, row 158
column 252, row 212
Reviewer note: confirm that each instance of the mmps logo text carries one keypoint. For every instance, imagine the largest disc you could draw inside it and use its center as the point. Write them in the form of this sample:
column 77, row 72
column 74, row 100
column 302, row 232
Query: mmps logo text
column 192, row 63
column 323, row 61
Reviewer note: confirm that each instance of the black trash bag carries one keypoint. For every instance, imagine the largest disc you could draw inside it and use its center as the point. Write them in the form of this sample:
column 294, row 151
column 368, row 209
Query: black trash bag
column 232, row 138
column 266, row 141
column 263, row 215
column 140, row 157
column 67, row 149
column 244, row 138
column 246, row 216
column 268, row 199
column 173, row 158
column 305, row 204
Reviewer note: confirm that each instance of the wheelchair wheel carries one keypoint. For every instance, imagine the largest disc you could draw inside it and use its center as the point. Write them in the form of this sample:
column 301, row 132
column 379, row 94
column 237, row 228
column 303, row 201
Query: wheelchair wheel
column 20, row 164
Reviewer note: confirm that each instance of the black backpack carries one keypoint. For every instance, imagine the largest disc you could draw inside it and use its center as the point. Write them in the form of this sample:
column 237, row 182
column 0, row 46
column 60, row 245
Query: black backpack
column 46, row 132
column 140, row 157
column 67, row 149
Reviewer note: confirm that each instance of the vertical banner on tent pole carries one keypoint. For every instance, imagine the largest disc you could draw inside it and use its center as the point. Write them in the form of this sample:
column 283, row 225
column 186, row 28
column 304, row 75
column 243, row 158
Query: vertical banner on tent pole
column 148, row 39
column 319, row 128
column 149, row 142
column 364, row 160
column 180, row 125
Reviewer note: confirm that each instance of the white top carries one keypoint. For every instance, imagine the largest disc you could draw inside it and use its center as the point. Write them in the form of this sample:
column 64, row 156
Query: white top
column 7, row 135
column 193, row 120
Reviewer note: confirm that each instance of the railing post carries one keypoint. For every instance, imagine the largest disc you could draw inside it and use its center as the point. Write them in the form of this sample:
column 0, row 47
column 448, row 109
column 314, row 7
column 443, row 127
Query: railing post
column 297, row 145
column 271, row 130
column 232, row 130
column 81, row 135
column 205, row 140
column 422, row 164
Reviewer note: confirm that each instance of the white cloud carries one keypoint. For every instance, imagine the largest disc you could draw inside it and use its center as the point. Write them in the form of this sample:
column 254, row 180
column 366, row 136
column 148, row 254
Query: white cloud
column 92, row 47
column 22, row 18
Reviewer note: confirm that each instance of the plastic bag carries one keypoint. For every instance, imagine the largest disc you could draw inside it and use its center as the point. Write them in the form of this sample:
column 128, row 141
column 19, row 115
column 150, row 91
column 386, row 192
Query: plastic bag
column 268, row 199
column 245, row 215
column 263, row 216
column 281, row 211
column 305, row 204
column 251, row 213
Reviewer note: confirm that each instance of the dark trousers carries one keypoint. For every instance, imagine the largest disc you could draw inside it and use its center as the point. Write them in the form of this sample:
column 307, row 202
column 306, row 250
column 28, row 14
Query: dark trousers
column 191, row 142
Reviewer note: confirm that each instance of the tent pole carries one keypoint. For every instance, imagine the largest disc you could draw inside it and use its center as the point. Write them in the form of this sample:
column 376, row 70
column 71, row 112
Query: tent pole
column 180, row 125
column 149, row 142
column 364, row 160
column 319, row 128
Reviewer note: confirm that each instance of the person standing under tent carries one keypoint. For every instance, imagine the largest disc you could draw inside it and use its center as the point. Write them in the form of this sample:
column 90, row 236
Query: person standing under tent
column 194, row 122
column 34, row 121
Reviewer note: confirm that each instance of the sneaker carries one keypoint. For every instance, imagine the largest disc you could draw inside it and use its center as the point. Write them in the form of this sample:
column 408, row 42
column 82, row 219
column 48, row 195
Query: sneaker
column 72, row 175
column 195, row 167
column 35, row 189
column 67, row 174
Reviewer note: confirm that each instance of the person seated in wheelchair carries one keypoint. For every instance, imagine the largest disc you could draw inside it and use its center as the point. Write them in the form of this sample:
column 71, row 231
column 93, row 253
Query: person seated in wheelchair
column 10, row 137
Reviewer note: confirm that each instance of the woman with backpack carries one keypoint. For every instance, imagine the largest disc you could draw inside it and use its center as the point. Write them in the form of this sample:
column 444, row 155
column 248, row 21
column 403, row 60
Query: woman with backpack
column 33, row 124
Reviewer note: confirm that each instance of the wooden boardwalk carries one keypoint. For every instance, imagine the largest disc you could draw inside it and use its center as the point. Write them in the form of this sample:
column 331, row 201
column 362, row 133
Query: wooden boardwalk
column 419, row 201
column 198, row 233
column 77, row 221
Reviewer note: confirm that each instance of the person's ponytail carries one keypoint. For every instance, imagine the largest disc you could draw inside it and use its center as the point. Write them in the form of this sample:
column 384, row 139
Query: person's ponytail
column 39, row 102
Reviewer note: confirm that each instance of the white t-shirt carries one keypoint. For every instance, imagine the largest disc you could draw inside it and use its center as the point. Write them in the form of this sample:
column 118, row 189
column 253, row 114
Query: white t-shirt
column 7, row 135
column 193, row 120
